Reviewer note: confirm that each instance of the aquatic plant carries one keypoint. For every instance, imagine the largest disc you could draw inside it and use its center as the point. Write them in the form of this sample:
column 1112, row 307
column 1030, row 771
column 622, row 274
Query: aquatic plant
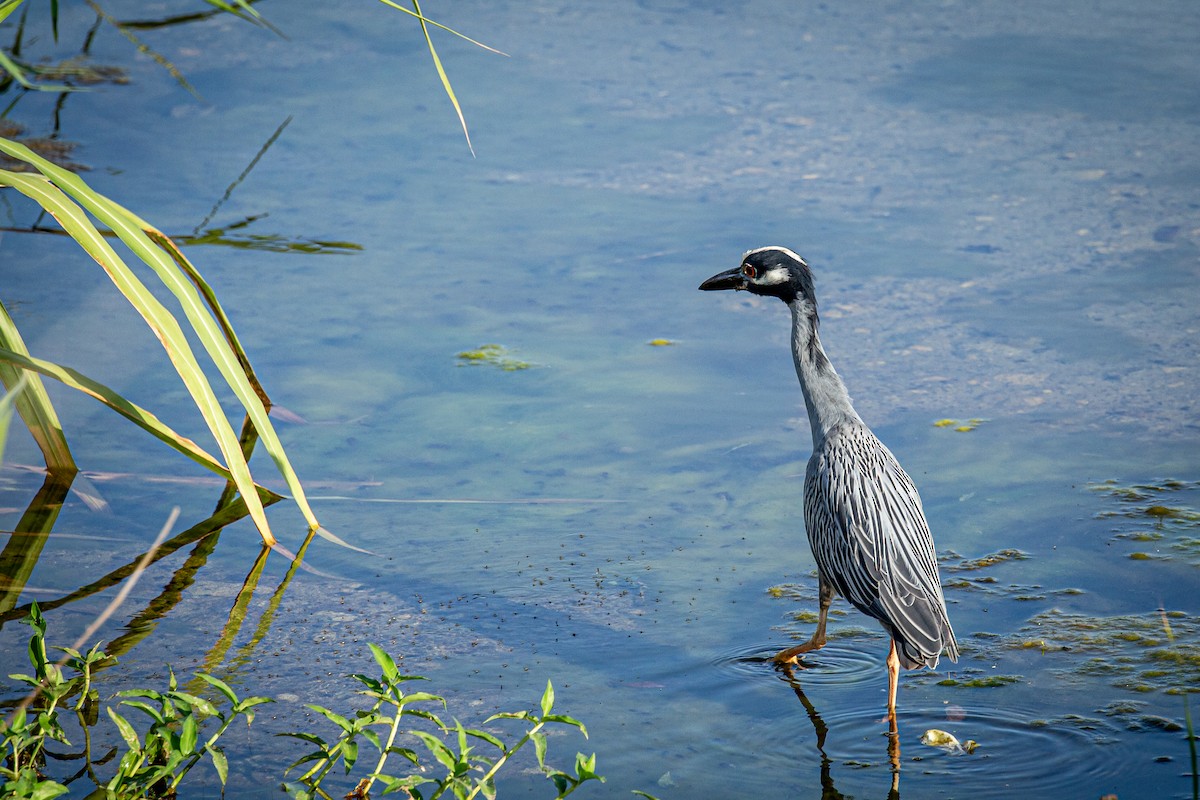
column 70, row 200
column 181, row 729
column 1144, row 515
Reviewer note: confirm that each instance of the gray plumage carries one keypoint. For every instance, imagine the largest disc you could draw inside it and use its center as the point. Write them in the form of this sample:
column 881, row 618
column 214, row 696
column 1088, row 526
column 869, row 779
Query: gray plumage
column 862, row 512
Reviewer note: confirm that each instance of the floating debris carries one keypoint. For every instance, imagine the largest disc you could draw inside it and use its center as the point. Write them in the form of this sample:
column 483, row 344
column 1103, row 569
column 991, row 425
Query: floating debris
column 948, row 742
column 494, row 355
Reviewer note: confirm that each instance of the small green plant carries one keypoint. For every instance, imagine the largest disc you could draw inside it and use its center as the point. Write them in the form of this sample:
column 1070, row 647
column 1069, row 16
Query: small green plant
column 468, row 773
column 152, row 766
column 184, row 729
column 172, row 745
column 36, row 721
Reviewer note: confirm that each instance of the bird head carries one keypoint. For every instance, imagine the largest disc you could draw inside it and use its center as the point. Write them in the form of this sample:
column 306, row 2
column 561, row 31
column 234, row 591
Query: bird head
column 770, row 271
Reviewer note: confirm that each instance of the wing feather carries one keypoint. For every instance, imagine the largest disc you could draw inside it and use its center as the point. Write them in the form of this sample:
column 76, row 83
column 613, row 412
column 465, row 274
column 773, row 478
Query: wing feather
column 871, row 542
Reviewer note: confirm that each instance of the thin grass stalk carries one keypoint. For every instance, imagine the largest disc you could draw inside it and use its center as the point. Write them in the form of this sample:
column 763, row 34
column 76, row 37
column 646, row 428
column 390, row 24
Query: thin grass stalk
column 441, row 71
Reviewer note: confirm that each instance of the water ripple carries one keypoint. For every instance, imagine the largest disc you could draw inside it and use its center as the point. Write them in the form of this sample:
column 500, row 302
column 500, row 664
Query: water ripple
column 1016, row 748
column 846, row 663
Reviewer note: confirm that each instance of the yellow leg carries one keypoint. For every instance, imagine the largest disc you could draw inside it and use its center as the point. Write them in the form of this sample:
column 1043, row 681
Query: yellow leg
column 790, row 655
column 893, row 667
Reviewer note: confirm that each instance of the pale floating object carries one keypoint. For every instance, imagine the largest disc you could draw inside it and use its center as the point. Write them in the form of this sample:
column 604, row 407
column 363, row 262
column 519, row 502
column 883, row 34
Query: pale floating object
column 948, row 742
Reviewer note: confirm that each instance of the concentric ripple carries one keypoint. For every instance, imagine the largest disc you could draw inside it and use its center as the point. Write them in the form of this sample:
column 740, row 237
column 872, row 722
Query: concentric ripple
column 846, row 662
column 1016, row 748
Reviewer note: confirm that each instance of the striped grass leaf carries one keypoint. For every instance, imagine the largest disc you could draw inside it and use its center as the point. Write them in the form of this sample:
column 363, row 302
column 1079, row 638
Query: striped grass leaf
column 33, row 404
column 139, row 416
column 164, row 325
column 6, row 410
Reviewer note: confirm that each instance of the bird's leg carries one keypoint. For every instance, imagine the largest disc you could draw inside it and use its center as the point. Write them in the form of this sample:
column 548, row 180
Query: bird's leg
column 790, row 655
column 893, row 667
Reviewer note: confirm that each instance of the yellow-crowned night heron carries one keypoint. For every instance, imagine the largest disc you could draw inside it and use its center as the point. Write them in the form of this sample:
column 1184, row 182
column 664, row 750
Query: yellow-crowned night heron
column 863, row 514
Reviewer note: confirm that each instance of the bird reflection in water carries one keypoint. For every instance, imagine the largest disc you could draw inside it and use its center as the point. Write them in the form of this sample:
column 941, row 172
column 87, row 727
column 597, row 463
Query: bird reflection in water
column 828, row 790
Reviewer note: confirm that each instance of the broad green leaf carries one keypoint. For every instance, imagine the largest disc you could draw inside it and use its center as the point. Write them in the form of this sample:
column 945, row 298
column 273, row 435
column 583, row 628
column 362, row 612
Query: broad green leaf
column 147, row 709
column 539, row 747
column 437, row 749
column 548, row 699
column 565, row 720
column 487, row 737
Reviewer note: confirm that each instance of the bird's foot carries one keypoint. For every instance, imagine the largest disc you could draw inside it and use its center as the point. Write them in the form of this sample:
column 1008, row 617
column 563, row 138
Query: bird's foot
column 791, row 656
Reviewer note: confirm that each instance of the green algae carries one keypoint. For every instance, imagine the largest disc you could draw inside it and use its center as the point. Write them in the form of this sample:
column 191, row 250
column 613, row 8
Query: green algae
column 989, row 560
column 983, row 682
column 960, row 426
column 492, row 355
column 1139, row 505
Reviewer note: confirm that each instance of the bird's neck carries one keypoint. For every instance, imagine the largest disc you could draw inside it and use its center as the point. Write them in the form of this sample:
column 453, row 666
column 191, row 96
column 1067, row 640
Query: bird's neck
column 825, row 395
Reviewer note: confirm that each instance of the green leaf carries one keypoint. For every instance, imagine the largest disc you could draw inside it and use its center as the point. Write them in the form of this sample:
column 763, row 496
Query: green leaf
column 336, row 719
column 565, row 720
column 6, row 409
column 437, row 749
column 539, row 747
column 220, row 685
column 487, row 737
column 373, row 738
column 386, row 663
column 148, row 709
column 53, row 197
column 548, row 699
column 126, row 730
column 198, row 703
column 188, row 734
column 220, row 762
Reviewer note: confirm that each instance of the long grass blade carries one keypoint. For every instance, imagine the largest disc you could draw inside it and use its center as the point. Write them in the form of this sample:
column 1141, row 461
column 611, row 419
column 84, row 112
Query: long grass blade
column 133, row 232
column 139, row 416
column 220, row 344
column 6, row 411
column 161, row 321
column 34, row 406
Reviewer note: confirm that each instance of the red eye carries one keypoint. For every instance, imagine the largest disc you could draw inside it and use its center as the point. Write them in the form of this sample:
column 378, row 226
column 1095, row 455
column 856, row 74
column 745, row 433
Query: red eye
column 749, row 271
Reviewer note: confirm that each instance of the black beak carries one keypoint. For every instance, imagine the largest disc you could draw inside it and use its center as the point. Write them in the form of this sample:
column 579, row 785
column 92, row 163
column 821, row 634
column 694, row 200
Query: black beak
column 730, row 279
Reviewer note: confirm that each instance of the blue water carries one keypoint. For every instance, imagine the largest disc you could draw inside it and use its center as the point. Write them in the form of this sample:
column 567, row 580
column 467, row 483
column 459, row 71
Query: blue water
column 1000, row 208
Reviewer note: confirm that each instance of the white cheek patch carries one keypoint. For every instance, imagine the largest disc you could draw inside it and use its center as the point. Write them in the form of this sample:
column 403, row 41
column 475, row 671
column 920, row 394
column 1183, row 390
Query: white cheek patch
column 773, row 277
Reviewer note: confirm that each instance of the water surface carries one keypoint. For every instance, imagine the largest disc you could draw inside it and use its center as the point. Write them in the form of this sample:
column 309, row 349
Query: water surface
column 999, row 205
